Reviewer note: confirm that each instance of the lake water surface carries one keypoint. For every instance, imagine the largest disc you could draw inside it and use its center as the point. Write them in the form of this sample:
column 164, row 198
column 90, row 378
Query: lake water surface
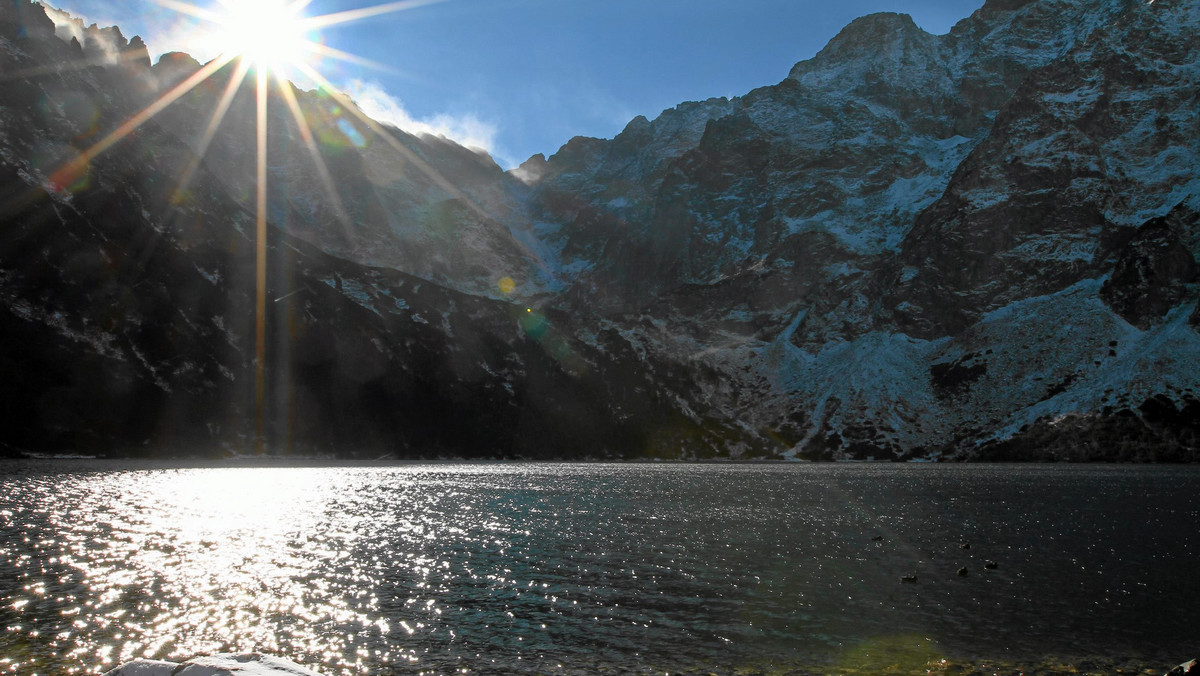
column 579, row 568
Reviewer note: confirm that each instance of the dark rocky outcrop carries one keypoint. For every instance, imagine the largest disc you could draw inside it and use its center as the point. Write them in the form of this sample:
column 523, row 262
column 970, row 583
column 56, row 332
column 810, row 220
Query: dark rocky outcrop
column 25, row 21
column 1159, row 430
column 1153, row 270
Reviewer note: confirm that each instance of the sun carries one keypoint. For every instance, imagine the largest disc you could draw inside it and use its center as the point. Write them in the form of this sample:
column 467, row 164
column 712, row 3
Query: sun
column 269, row 34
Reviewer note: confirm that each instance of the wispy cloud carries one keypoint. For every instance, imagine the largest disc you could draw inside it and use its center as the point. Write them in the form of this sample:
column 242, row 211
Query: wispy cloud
column 466, row 130
column 65, row 24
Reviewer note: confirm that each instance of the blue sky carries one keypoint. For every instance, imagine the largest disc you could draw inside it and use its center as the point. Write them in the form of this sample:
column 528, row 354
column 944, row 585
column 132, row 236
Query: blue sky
column 523, row 76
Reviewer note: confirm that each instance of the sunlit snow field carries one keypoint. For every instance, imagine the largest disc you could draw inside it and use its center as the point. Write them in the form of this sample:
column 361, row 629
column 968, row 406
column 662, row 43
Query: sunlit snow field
column 589, row 568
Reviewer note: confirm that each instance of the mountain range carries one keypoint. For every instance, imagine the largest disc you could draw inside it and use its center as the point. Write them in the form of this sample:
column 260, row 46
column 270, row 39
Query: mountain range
column 973, row 246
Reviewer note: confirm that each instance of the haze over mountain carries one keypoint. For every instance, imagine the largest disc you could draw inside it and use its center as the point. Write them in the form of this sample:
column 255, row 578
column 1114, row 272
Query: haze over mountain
column 980, row 245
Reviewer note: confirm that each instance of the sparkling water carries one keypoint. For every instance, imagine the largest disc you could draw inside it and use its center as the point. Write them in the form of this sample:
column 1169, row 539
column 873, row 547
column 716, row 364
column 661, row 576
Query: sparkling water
column 581, row 568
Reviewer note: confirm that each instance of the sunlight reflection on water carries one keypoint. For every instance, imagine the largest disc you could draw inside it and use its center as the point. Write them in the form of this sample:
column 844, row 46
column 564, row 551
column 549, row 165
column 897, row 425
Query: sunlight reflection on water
column 535, row 568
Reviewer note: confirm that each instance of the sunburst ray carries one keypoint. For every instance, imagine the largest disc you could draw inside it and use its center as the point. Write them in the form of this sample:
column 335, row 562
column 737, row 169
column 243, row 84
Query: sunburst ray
column 191, row 10
column 314, row 152
column 67, row 174
column 299, row 5
column 260, row 221
column 210, row 132
column 335, row 18
column 339, row 55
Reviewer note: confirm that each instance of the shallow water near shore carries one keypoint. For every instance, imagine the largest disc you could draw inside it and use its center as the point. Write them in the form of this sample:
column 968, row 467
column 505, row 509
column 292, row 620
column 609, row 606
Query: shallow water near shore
column 581, row 568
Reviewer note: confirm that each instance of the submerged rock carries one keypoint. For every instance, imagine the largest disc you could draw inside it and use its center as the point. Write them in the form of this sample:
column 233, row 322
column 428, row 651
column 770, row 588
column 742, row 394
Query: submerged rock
column 1186, row 669
column 247, row 664
column 144, row 668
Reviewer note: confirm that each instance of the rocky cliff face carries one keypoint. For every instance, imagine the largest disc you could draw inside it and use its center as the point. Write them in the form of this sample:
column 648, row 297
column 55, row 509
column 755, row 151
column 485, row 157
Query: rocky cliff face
column 901, row 248
column 1089, row 147
column 975, row 245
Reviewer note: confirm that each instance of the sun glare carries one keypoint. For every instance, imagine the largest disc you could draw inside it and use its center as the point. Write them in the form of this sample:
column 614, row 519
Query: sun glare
column 277, row 41
column 270, row 34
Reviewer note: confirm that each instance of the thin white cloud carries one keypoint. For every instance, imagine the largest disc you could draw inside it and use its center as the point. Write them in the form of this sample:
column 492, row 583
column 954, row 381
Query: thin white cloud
column 466, row 130
column 66, row 25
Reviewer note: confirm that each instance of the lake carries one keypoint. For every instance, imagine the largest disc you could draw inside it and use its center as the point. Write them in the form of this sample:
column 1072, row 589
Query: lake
column 591, row 568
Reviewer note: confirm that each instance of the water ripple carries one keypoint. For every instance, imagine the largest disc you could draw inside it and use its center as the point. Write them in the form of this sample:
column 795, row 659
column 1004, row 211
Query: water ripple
column 586, row 568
